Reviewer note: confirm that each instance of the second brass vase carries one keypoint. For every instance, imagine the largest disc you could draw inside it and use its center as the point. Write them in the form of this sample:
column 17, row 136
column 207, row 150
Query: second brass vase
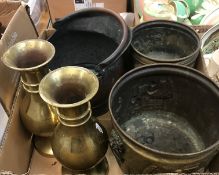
column 30, row 57
column 79, row 142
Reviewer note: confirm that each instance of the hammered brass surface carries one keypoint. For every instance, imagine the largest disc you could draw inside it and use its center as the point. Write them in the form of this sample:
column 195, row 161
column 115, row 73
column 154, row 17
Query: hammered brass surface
column 30, row 57
column 79, row 142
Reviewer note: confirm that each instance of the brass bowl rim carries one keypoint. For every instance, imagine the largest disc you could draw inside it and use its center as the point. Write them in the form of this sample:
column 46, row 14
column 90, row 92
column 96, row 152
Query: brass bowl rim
column 28, row 68
column 79, row 103
column 211, row 34
column 206, row 150
column 167, row 24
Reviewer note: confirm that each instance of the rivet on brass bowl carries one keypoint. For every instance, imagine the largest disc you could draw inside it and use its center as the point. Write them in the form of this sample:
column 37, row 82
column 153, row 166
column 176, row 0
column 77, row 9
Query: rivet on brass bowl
column 79, row 142
column 30, row 57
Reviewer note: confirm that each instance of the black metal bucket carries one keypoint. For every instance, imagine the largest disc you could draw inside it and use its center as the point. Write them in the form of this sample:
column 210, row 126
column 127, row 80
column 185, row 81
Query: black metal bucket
column 162, row 41
column 96, row 39
column 166, row 120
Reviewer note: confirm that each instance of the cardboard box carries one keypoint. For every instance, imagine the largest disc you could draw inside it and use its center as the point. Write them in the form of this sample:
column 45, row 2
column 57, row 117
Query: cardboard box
column 18, row 26
column 43, row 165
column 15, row 145
column 16, row 152
column 59, row 9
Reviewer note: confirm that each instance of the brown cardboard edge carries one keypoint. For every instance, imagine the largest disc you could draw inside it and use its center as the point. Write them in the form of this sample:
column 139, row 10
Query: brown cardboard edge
column 50, row 16
column 122, row 8
column 28, row 13
column 45, row 34
column 16, row 148
column 14, row 6
column 22, row 10
column 8, row 9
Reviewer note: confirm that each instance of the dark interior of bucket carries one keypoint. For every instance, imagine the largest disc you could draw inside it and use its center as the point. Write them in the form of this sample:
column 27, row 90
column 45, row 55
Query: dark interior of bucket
column 86, row 40
column 164, row 43
column 172, row 113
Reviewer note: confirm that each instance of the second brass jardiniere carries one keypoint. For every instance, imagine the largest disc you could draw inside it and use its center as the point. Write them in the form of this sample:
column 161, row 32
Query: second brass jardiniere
column 163, row 41
column 165, row 119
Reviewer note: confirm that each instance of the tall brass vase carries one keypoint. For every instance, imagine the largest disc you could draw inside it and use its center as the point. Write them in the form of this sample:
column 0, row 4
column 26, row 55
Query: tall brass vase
column 29, row 57
column 79, row 142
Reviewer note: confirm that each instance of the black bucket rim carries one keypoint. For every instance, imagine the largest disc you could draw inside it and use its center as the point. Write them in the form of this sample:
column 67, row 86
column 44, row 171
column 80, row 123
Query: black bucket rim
column 167, row 23
column 126, row 36
column 203, row 78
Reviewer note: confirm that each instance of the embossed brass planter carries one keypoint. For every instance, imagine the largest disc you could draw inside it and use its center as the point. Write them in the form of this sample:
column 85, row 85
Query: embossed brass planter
column 79, row 142
column 30, row 57
column 166, row 120
column 162, row 41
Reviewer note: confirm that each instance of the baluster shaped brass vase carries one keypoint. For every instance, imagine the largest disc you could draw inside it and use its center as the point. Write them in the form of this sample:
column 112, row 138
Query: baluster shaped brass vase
column 29, row 57
column 79, row 142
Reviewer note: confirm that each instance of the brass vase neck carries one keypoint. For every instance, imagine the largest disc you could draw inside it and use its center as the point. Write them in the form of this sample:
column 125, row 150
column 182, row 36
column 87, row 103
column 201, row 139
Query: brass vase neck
column 69, row 90
column 31, row 79
column 75, row 116
column 29, row 57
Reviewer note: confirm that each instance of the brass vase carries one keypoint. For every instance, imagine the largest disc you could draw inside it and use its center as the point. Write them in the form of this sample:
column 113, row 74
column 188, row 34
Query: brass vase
column 79, row 142
column 29, row 57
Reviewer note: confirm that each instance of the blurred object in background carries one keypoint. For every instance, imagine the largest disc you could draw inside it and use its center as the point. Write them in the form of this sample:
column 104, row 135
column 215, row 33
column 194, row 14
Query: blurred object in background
column 129, row 18
column 210, row 50
column 193, row 5
column 36, row 9
column 151, row 10
column 207, row 13
column 190, row 12
column 2, row 29
column 212, row 66
column 39, row 13
column 181, row 11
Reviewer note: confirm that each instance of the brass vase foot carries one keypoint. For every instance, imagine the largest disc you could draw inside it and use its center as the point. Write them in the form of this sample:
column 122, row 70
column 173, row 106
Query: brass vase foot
column 43, row 146
column 101, row 169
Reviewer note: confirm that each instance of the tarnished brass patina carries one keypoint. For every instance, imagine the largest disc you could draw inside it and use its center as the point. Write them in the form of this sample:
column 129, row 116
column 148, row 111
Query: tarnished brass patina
column 156, row 127
column 79, row 142
column 29, row 57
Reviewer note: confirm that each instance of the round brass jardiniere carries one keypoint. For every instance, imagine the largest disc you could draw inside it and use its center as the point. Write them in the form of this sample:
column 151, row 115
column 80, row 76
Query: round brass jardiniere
column 166, row 120
column 163, row 41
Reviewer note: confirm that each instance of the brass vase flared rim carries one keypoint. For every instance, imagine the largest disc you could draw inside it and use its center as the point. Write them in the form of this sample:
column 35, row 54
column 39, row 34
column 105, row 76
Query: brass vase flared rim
column 56, row 74
column 27, row 44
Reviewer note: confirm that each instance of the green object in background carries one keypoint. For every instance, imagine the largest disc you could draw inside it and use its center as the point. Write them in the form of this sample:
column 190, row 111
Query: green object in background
column 181, row 10
column 138, row 8
column 196, row 19
column 193, row 5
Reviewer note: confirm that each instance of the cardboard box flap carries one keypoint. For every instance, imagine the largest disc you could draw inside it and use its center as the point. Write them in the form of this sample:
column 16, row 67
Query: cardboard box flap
column 7, row 10
column 19, row 28
column 16, row 148
column 59, row 9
